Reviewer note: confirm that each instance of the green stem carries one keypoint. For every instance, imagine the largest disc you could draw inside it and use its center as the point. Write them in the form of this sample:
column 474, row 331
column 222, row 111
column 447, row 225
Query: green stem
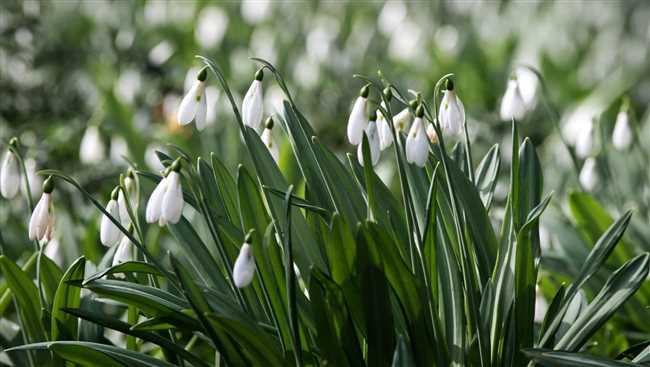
column 291, row 282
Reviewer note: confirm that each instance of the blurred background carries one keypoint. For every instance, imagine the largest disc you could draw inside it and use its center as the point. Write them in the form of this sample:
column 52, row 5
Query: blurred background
column 86, row 84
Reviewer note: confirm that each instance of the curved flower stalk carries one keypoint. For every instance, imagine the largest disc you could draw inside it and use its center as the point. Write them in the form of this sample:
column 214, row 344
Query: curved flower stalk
column 253, row 104
column 109, row 234
column 166, row 202
column 589, row 178
column 41, row 223
column 452, row 112
column 512, row 103
column 10, row 173
column 194, row 105
column 91, row 150
column 622, row 135
column 267, row 139
column 244, row 268
column 417, row 143
column 358, row 119
column 373, row 141
column 384, row 130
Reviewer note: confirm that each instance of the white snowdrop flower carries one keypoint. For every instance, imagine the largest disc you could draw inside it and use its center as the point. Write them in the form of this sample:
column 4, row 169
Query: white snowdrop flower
column 431, row 134
column 451, row 114
column 154, row 205
column 512, row 103
column 119, row 150
column 622, row 135
column 383, row 130
column 585, row 142
column 253, row 104
column 172, row 200
column 109, row 233
column 589, row 174
column 373, row 142
column 402, row 119
column 244, row 268
column 528, row 83
column 10, row 174
column 194, row 105
column 358, row 119
column 41, row 223
column 417, row 143
column 267, row 139
column 124, row 252
column 91, row 150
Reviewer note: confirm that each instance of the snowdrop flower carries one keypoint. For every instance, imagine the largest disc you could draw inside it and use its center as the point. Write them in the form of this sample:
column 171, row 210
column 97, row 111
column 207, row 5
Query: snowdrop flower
column 194, row 105
column 91, row 150
column 358, row 119
column 452, row 112
column 154, row 205
column 41, row 222
column 585, row 142
column 512, row 104
column 402, row 119
column 373, row 141
column 166, row 203
column 244, row 268
column 417, row 144
column 431, row 134
column 124, row 252
column 10, row 173
column 109, row 234
column 589, row 174
column 253, row 104
column 622, row 134
column 383, row 130
column 267, row 139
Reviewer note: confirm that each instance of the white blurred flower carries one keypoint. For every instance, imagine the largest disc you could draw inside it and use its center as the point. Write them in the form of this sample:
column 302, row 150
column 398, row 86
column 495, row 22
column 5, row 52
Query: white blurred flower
column 528, row 85
column 161, row 53
column 391, row 16
column 358, row 119
column 109, row 233
column 194, row 105
column 589, row 178
column 253, row 103
column 586, row 142
column 267, row 139
column 211, row 27
column 405, row 43
column 9, row 176
column 622, row 135
column 91, row 150
column 512, row 104
column 127, row 86
column 417, row 143
column 255, row 11
column 41, row 223
column 451, row 114
column 373, row 142
column 119, row 150
column 244, row 268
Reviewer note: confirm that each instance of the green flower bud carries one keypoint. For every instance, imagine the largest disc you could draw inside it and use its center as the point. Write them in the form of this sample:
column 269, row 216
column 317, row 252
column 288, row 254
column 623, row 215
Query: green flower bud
column 203, row 74
column 419, row 112
column 259, row 75
column 48, row 185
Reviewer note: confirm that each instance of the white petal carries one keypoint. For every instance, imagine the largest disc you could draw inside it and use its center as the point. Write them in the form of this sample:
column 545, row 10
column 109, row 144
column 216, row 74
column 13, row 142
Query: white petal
column 373, row 141
column 622, row 134
column 38, row 223
column 512, row 104
column 109, row 234
column 384, row 131
column 124, row 252
column 431, row 134
column 417, row 144
column 172, row 203
column 589, row 174
column 123, row 210
column 189, row 104
column 267, row 139
column 585, row 145
column 252, row 106
column 201, row 113
column 452, row 113
column 358, row 121
column 154, row 205
column 402, row 119
column 91, row 149
column 9, row 176
column 244, row 268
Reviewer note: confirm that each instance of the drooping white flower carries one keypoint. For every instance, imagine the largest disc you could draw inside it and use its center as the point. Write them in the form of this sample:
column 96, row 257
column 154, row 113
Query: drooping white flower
column 154, row 205
column 358, row 119
column 589, row 178
column 417, row 143
column 585, row 142
column 452, row 112
column 9, row 176
column 194, row 105
column 253, row 104
column 402, row 119
column 384, row 131
column 172, row 201
column 41, row 223
column 622, row 135
column 512, row 104
column 373, row 142
column 244, row 268
column 267, row 139
column 528, row 83
column 124, row 252
column 109, row 234
column 91, row 150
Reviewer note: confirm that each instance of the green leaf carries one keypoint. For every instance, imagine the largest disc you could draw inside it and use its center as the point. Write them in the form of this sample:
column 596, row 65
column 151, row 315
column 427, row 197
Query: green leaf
column 67, row 296
column 125, row 268
column 486, row 175
column 566, row 359
column 49, row 277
